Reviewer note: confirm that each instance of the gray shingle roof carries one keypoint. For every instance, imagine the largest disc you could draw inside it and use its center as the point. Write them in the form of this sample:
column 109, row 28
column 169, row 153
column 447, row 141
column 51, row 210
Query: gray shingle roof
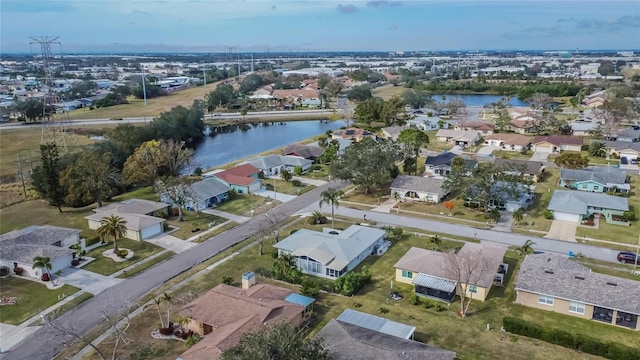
column 23, row 245
column 334, row 251
column 555, row 275
column 417, row 183
column 133, row 211
column 376, row 323
column 351, row 342
column 576, row 202
column 209, row 188
column 623, row 145
column 602, row 174
column 530, row 167
column 306, row 151
column 272, row 161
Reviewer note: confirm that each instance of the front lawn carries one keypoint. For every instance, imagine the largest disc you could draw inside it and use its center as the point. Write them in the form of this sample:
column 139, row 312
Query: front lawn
column 193, row 220
column 534, row 216
column 286, row 187
column 106, row 266
column 322, row 174
column 376, row 196
column 33, row 297
column 243, row 204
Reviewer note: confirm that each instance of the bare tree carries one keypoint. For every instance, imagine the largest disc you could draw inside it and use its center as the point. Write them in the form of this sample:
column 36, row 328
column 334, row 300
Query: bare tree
column 117, row 318
column 540, row 101
column 179, row 193
column 262, row 232
column 272, row 224
column 466, row 268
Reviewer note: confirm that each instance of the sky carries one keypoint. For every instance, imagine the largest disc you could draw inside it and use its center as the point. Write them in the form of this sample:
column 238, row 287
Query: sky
column 319, row 25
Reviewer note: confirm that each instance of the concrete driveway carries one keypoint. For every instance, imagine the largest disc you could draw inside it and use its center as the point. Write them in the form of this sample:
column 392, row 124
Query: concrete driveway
column 170, row 243
column 539, row 156
column 314, row 182
column 274, row 195
column 487, row 150
column 87, row 280
column 562, row 230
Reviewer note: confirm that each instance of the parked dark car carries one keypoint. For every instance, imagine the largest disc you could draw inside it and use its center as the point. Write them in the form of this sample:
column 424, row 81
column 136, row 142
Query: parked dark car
column 628, row 257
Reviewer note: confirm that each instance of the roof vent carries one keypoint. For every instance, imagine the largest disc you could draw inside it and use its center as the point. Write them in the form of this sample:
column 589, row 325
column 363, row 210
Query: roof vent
column 611, row 283
column 580, row 277
column 549, row 272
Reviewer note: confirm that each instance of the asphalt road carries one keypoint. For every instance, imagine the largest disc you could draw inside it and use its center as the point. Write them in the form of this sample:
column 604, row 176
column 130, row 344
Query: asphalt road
column 270, row 114
column 47, row 342
column 505, row 238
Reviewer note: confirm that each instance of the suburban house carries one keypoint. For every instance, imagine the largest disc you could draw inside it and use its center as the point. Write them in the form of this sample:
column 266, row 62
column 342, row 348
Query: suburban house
column 524, row 124
column 571, row 205
column 483, row 127
column 225, row 313
column 309, row 152
column 242, row 178
column 627, row 152
column 627, row 135
column 331, row 253
column 424, row 123
column 274, row 164
column 594, row 102
column 19, row 247
column 440, row 165
column 354, row 134
column 555, row 144
column 144, row 218
column 296, row 95
column 597, row 179
column 555, row 283
column 509, row 142
column 583, row 126
column 530, row 169
column 359, row 336
column 428, row 271
column 418, row 188
column 342, row 144
column 203, row 194
column 462, row 138
column 391, row 132
column 509, row 197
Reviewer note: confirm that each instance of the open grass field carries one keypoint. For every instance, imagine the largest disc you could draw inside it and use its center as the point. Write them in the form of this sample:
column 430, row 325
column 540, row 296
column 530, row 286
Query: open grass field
column 38, row 212
column 106, row 266
column 387, row 92
column 23, row 141
column 468, row 337
column 136, row 108
column 33, row 297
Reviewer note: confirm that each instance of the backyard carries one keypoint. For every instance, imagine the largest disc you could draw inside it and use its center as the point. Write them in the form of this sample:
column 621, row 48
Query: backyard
column 106, row 266
column 38, row 212
column 32, row 297
column 468, row 336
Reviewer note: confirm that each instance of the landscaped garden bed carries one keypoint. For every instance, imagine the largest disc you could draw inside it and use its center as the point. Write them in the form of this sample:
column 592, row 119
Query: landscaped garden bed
column 106, row 266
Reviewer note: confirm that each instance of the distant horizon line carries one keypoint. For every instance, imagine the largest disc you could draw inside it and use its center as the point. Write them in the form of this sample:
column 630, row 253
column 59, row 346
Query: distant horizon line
column 131, row 52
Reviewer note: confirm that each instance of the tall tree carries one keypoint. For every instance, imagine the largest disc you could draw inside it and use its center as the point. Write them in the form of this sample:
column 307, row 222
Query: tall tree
column 368, row 163
column 415, row 98
column 277, row 342
column 179, row 193
column 540, row 101
column 51, row 175
column 369, row 110
column 331, row 197
column 611, row 114
column 412, row 140
column 466, row 268
column 155, row 158
column 393, row 112
column 92, row 177
column 359, row 93
column 113, row 226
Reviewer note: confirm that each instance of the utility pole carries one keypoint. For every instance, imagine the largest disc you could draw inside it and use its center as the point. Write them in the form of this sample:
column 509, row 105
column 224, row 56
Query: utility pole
column 21, row 173
column 635, row 263
column 204, row 74
column 144, row 87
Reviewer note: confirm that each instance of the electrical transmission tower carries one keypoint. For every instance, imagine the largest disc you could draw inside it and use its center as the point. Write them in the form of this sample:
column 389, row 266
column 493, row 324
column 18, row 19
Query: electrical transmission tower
column 51, row 132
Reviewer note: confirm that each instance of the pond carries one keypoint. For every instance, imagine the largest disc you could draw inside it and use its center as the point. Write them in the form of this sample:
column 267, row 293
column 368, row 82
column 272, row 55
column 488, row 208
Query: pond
column 235, row 142
column 481, row 99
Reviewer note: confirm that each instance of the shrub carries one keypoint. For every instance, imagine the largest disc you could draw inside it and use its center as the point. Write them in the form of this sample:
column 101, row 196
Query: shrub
column 227, row 280
column 4, row 271
column 383, row 310
column 192, row 340
column 629, row 215
column 75, row 262
column 123, row 253
column 357, row 305
column 310, row 287
column 293, row 231
column 311, row 220
column 197, row 171
column 353, row 281
column 296, row 183
column 315, row 167
column 415, row 300
column 548, row 214
column 18, row 271
column 269, row 187
column 427, row 304
column 439, row 307
column 45, row 277
column 583, row 343
column 297, row 170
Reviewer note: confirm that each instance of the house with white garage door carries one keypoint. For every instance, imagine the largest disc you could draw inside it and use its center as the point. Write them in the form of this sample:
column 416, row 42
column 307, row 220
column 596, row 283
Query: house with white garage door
column 418, row 188
column 19, row 247
column 144, row 218
column 575, row 206
column 555, row 144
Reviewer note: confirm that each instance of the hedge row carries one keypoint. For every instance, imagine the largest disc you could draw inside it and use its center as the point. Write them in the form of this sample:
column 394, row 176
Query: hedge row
column 586, row 344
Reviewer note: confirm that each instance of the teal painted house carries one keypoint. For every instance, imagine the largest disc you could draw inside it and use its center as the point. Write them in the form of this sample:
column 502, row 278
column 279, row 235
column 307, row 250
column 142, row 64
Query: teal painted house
column 575, row 206
column 598, row 179
column 243, row 179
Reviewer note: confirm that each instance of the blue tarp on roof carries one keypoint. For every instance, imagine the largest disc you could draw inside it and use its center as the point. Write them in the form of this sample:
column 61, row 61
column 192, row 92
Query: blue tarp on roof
column 299, row 299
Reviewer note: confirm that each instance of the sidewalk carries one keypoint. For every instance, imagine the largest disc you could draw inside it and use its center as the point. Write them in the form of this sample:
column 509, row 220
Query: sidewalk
column 208, row 231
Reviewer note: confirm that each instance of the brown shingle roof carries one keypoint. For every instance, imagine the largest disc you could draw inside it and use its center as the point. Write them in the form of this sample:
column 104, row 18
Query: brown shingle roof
column 511, row 139
column 558, row 140
column 239, row 175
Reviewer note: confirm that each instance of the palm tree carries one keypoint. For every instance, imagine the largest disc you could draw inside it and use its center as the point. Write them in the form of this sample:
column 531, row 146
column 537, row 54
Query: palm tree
column 157, row 301
column 183, row 320
column 397, row 197
column 494, row 215
column 436, row 240
column 167, row 299
column 518, row 215
column 43, row 262
column 526, row 248
column 331, row 196
column 114, row 226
